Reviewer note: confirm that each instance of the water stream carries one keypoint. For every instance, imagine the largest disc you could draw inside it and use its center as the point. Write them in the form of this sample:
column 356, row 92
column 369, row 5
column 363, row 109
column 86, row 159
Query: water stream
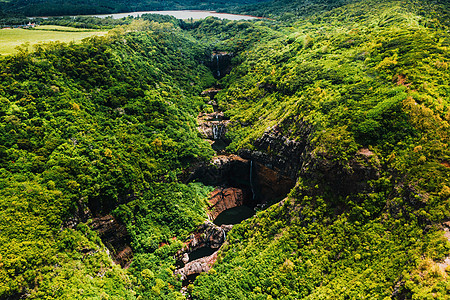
column 217, row 125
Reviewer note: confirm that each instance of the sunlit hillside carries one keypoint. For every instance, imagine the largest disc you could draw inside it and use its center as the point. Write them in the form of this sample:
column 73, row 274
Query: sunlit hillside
column 303, row 156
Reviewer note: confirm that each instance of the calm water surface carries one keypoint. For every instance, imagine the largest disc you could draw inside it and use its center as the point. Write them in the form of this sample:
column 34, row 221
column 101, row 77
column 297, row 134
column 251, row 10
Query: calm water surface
column 234, row 215
column 181, row 14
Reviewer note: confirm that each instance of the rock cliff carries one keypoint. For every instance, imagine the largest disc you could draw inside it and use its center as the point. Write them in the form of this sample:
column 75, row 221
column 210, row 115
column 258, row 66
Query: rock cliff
column 222, row 199
column 344, row 179
column 115, row 236
column 207, row 235
column 198, row 266
column 277, row 151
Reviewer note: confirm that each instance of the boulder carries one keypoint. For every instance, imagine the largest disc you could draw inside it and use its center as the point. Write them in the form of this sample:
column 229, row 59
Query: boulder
column 198, row 266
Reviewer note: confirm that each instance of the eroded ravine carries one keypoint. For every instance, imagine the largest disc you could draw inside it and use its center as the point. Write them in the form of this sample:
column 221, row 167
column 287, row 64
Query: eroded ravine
column 242, row 187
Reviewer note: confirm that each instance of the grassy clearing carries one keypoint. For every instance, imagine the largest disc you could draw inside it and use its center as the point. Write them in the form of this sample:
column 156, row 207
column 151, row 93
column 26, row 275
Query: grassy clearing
column 63, row 28
column 11, row 38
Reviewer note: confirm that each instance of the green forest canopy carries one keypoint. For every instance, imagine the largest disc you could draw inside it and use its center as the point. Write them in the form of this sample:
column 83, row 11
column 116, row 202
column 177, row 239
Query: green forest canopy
column 110, row 124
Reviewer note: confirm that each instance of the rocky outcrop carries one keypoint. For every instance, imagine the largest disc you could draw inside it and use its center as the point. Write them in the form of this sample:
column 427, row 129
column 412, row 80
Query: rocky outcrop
column 443, row 265
column 222, row 199
column 220, row 63
column 231, row 171
column 115, row 237
column 269, row 185
column 223, row 170
column 280, row 160
column 81, row 215
column 344, row 179
column 212, row 126
column 211, row 93
column 198, row 266
column 207, row 235
column 113, row 234
column 280, row 153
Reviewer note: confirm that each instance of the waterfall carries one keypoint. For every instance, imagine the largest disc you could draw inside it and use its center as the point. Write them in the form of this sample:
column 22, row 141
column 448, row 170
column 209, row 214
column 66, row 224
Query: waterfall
column 218, row 70
column 251, row 180
column 224, row 235
column 217, row 131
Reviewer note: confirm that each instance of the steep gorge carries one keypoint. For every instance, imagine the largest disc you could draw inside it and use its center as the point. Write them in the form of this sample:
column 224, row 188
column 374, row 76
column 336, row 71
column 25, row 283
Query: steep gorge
column 242, row 186
column 338, row 125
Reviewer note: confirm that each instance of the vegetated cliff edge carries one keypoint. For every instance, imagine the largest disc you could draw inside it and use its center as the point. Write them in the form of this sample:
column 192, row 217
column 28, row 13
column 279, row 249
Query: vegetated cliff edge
column 362, row 122
column 351, row 104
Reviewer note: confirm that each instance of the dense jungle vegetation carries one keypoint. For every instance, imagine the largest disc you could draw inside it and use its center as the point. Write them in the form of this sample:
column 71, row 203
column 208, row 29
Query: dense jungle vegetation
column 110, row 124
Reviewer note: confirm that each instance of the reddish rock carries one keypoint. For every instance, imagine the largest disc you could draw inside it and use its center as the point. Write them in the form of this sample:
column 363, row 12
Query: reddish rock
column 115, row 237
column 222, row 199
column 270, row 185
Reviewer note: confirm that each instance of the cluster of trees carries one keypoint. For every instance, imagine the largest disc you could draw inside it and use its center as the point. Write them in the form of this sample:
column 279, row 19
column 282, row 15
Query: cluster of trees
column 102, row 23
column 93, row 125
column 288, row 9
column 365, row 75
column 110, row 124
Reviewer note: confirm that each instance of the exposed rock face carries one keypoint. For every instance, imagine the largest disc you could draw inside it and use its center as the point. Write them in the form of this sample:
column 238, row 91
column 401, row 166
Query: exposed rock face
column 443, row 265
column 269, row 185
column 198, row 266
column 212, row 126
column 345, row 179
column 223, row 170
column 220, row 63
column 211, row 93
column 279, row 161
column 81, row 215
column 233, row 171
column 207, row 235
column 115, row 236
column 222, row 199
column 278, row 152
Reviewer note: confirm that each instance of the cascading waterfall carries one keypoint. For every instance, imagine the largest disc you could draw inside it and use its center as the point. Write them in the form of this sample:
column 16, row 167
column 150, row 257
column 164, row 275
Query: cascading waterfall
column 217, row 131
column 224, row 235
column 218, row 70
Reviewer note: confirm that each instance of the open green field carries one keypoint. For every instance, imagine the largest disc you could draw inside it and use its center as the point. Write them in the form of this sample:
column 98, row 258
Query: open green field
column 63, row 28
column 11, row 38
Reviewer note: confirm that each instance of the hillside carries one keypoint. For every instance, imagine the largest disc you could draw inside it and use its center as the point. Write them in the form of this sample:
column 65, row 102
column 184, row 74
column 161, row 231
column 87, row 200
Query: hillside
column 114, row 153
column 364, row 89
